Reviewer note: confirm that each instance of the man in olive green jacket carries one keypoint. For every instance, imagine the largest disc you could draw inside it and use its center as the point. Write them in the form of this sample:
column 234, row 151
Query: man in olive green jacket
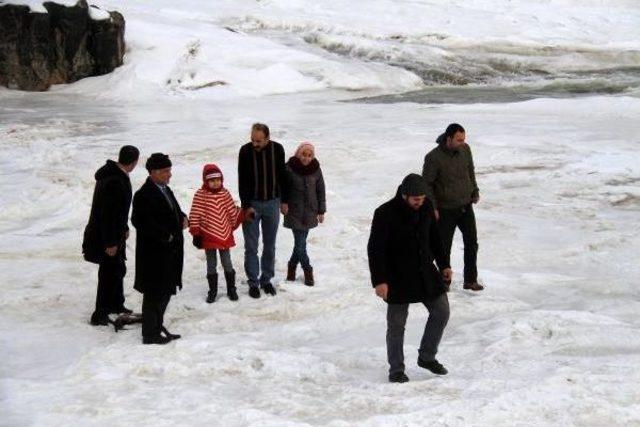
column 451, row 186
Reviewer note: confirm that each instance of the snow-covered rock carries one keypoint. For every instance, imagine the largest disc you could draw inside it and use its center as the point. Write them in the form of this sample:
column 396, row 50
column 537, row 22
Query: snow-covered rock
column 48, row 43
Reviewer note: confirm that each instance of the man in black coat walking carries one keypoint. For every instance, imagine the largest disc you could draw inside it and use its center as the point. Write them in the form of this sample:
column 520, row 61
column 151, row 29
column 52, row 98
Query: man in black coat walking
column 107, row 231
column 159, row 223
column 403, row 245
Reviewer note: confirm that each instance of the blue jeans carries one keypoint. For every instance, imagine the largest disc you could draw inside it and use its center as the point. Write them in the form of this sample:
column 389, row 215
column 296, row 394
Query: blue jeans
column 267, row 215
column 299, row 254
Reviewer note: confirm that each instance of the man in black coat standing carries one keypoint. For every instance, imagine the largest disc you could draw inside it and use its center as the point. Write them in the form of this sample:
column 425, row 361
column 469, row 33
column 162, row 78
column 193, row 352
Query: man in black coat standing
column 403, row 245
column 107, row 231
column 159, row 223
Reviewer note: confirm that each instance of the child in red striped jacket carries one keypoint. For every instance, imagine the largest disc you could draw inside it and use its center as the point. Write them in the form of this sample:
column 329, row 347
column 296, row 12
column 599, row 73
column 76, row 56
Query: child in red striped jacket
column 213, row 218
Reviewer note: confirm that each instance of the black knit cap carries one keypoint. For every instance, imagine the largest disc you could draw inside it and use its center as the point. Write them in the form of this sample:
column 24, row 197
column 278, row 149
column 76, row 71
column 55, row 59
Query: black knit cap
column 158, row 161
column 128, row 154
column 413, row 185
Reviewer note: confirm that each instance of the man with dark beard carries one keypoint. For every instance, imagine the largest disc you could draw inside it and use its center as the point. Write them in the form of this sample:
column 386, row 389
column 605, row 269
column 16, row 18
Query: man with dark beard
column 403, row 245
column 450, row 176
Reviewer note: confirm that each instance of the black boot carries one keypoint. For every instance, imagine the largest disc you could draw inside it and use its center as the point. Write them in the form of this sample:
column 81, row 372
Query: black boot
column 213, row 287
column 398, row 377
column 230, row 278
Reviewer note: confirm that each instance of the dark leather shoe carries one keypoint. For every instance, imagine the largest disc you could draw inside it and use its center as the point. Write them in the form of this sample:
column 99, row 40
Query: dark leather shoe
column 99, row 319
column 433, row 366
column 170, row 335
column 269, row 289
column 474, row 286
column 254, row 292
column 398, row 377
column 156, row 340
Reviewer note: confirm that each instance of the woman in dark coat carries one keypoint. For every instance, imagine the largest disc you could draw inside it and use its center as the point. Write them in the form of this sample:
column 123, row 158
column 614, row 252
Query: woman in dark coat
column 307, row 206
column 159, row 222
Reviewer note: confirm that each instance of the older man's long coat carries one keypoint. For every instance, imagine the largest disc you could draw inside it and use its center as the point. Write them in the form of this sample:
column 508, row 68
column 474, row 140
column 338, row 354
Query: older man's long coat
column 159, row 243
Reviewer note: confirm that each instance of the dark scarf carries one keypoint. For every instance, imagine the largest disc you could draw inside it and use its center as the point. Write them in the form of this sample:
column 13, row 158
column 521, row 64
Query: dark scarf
column 296, row 165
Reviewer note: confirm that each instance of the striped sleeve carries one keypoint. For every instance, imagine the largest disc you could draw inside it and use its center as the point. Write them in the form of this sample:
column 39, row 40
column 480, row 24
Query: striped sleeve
column 236, row 215
column 197, row 213
column 229, row 207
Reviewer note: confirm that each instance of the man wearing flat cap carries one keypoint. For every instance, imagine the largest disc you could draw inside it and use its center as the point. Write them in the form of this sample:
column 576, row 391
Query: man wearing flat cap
column 159, row 223
column 403, row 245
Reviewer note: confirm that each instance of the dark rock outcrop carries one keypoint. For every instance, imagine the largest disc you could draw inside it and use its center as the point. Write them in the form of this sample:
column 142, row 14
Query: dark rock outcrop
column 38, row 50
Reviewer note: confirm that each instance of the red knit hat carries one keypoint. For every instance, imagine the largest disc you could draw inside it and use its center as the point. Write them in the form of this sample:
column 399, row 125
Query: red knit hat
column 211, row 171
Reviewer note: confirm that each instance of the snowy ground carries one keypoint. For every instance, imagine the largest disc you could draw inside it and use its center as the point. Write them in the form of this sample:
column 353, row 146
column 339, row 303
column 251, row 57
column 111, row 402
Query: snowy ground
column 551, row 341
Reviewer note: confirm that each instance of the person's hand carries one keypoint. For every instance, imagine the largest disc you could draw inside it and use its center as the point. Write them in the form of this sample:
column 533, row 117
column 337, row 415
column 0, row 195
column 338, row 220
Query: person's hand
column 185, row 222
column 447, row 274
column 111, row 251
column 284, row 208
column 320, row 218
column 382, row 290
column 475, row 198
column 249, row 215
column 436, row 214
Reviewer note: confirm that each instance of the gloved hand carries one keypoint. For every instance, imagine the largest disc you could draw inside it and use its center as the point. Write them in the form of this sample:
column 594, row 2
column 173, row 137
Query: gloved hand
column 197, row 242
column 249, row 215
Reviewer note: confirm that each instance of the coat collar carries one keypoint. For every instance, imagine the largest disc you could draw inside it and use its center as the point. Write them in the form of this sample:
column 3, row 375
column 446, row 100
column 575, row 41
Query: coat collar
column 296, row 165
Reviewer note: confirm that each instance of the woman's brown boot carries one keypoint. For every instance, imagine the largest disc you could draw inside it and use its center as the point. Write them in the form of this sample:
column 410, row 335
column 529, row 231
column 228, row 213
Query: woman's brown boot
column 308, row 276
column 291, row 272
